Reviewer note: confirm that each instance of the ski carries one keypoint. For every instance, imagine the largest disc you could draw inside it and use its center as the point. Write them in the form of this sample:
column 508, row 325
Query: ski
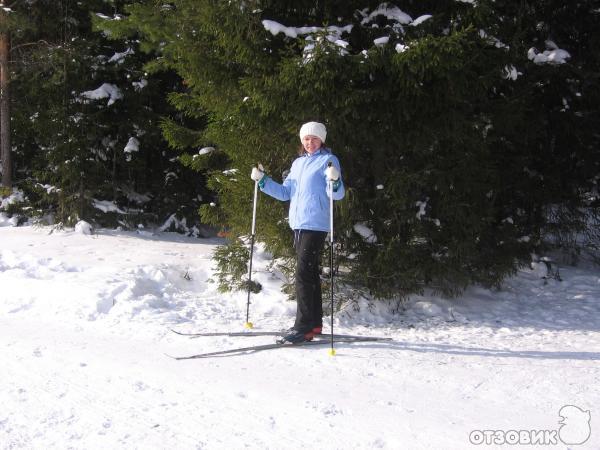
column 251, row 349
column 229, row 333
column 319, row 337
column 258, row 348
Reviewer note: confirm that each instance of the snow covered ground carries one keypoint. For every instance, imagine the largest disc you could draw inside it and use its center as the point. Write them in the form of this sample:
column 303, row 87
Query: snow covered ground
column 84, row 329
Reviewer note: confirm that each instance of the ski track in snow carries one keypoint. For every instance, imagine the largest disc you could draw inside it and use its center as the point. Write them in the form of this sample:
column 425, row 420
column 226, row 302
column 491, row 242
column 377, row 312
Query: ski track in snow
column 84, row 328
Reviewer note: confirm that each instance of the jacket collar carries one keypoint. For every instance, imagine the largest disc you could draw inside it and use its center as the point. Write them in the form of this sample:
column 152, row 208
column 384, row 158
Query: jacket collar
column 320, row 151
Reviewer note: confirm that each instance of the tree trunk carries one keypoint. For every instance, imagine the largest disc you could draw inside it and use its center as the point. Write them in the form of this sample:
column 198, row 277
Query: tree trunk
column 5, row 149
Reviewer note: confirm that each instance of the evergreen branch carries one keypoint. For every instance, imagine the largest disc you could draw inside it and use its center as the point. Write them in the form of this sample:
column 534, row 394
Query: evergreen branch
column 28, row 44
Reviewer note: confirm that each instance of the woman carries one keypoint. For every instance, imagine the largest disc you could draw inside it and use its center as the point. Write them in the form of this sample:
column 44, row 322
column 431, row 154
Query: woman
column 306, row 188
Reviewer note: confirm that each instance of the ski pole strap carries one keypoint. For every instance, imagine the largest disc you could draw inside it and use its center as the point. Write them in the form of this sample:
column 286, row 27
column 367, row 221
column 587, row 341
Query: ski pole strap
column 262, row 181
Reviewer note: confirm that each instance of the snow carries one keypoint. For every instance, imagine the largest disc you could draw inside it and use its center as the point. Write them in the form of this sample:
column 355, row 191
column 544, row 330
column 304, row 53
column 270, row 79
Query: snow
column 133, row 145
column 553, row 54
column 83, row 227
column 106, row 90
column 139, row 85
column 293, row 32
column 17, row 196
column 107, row 206
column 6, row 221
column 390, row 12
column 48, row 188
column 174, row 223
column 120, row 57
column 511, row 72
column 381, row 41
column 84, row 329
column 275, row 28
column 492, row 40
column 136, row 197
column 400, row 48
column 419, row 20
column 333, row 36
column 365, row 232
column 422, row 209
column 334, row 33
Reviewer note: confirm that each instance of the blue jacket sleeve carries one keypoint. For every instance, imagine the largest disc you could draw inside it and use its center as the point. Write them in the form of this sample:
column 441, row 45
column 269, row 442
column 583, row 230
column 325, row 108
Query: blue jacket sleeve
column 276, row 190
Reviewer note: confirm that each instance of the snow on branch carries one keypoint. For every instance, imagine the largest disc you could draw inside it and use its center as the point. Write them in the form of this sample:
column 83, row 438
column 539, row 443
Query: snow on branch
column 332, row 35
column 120, row 57
column 511, row 72
column 492, row 40
column 133, row 145
column 107, row 90
column 552, row 54
column 419, row 20
column 106, row 206
column 365, row 232
column 389, row 12
column 293, row 32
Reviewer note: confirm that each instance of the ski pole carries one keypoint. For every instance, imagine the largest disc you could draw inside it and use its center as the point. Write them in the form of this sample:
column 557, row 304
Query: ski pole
column 330, row 187
column 249, row 324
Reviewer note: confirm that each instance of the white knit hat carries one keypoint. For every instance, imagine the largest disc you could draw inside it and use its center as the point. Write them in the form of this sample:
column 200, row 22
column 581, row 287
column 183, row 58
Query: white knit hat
column 313, row 129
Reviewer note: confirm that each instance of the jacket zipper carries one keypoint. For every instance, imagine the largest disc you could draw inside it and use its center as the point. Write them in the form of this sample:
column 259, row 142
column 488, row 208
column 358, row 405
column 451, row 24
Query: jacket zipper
column 305, row 162
column 300, row 184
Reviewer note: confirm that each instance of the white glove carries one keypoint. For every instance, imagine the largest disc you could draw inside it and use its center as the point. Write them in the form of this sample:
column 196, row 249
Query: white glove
column 258, row 173
column 332, row 174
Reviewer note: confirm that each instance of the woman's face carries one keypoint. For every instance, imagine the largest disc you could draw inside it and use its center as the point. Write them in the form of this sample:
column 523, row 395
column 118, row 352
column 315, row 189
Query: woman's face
column 311, row 143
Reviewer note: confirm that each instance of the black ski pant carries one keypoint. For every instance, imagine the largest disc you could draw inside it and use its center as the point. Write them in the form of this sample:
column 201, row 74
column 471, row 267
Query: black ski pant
column 309, row 246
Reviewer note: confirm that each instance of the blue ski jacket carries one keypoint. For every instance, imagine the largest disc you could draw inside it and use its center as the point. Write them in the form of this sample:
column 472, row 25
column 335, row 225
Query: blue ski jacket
column 306, row 189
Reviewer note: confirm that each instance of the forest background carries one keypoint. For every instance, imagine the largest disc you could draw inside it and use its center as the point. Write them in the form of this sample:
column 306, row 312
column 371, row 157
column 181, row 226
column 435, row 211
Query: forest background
column 468, row 131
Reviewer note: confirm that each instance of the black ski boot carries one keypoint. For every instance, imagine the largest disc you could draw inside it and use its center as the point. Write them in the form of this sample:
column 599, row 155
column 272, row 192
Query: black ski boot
column 294, row 336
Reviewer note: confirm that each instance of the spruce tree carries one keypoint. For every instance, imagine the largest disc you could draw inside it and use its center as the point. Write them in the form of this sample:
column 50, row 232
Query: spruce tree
column 441, row 120
column 87, row 135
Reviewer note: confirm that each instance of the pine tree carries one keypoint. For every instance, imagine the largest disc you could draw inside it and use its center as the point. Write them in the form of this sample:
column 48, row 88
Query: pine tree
column 87, row 129
column 5, row 148
column 541, row 129
column 442, row 142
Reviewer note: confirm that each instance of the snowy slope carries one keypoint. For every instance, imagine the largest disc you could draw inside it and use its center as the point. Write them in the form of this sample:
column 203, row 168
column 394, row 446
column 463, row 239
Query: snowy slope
column 84, row 328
